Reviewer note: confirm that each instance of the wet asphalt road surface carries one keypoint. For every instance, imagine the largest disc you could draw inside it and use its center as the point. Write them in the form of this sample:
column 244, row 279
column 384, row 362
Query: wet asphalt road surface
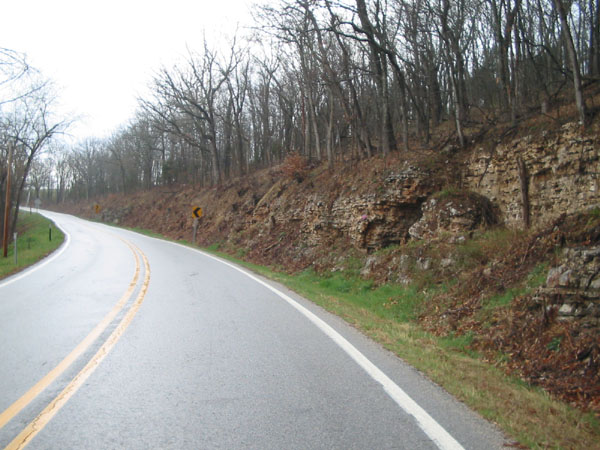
column 137, row 343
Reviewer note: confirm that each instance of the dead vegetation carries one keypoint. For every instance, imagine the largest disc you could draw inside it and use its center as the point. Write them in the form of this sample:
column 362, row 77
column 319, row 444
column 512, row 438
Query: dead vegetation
column 495, row 302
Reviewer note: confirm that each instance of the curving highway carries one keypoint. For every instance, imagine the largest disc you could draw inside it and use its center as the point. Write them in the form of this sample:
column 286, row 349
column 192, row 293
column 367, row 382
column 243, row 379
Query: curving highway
column 124, row 341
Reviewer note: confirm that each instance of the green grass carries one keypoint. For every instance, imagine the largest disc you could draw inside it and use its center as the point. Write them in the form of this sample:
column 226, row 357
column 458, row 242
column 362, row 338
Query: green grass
column 485, row 246
column 502, row 300
column 446, row 193
column 535, row 279
column 214, row 247
column 394, row 302
column 33, row 243
column 458, row 342
column 594, row 213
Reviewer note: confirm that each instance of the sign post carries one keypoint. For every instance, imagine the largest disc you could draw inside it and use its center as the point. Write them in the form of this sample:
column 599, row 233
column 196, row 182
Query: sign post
column 196, row 221
column 197, row 212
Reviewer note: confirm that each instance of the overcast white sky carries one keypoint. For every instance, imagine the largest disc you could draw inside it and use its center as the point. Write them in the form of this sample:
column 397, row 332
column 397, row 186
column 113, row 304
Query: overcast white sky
column 102, row 54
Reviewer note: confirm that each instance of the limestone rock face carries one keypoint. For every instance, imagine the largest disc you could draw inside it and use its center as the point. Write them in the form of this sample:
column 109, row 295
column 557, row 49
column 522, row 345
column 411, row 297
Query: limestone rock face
column 370, row 218
column 573, row 287
column 453, row 216
column 115, row 215
column 560, row 175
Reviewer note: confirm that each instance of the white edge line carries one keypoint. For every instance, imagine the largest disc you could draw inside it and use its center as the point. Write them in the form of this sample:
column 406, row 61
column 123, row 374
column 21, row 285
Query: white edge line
column 428, row 424
column 43, row 262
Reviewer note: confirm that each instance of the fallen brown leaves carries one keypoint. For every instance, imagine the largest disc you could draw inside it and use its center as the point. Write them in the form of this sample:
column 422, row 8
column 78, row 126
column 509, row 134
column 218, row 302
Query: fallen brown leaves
column 561, row 357
column 525, row 337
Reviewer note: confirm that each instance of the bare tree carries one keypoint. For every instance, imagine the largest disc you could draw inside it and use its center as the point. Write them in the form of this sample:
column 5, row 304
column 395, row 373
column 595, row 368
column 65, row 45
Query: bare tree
column 238, row 85
column 573, row 60
column 18, row 79
column 340, row 77
column 28, row 124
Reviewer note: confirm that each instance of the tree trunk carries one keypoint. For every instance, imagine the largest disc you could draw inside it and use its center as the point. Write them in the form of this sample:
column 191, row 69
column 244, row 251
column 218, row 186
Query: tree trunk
column 435, row 97
column 401, row 79
column 242, row 163
column 214, row 154
column 378, row 61
column 572, row 55
column 458, row 119
column 306, row 129
column 364, row 139
column 455, row 74
column 329, row 138
column 594, row 52
column 315, row 126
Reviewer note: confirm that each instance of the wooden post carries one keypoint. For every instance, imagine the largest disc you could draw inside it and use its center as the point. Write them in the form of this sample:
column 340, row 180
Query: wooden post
column 7, row 205
column 524, row 179
column 196, row 222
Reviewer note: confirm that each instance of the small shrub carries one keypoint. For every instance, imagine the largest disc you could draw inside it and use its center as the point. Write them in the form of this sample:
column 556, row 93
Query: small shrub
column 538, row 276
column 554, row 344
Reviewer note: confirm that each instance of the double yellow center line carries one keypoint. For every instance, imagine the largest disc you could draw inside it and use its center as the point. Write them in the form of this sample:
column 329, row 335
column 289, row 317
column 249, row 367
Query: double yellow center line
column 30, row 431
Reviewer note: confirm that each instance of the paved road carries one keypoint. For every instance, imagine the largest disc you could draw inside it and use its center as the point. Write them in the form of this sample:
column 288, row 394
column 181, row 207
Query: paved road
column 124, row 341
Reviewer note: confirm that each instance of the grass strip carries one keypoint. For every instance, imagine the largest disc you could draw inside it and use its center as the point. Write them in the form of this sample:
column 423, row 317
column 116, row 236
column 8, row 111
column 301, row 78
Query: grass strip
column 33, row 243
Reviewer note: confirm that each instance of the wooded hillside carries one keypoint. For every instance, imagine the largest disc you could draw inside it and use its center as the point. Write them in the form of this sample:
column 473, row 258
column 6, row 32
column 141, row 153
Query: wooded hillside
column 339, row 80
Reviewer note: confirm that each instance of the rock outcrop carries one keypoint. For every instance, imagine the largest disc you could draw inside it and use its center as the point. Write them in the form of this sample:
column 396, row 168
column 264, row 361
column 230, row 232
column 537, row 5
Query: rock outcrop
column 453, row 215
column 377, row 220
column 370, row 218
column 573, row 287
column 542, row 176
